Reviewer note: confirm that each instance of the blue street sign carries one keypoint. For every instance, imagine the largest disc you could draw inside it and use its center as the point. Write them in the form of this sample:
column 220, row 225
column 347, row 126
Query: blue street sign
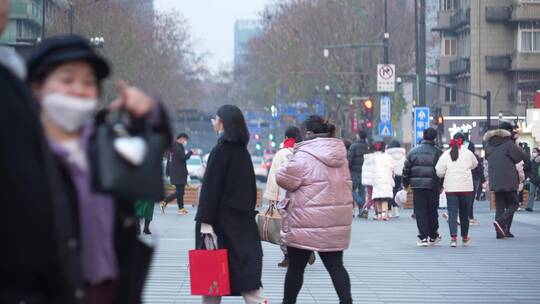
column 386, row 108
column 385, row 128
column 421, row 122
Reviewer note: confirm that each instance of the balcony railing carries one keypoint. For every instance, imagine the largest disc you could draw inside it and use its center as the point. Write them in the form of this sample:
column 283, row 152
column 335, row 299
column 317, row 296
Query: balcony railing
column 498, row 13
column 27, row 11
column 460, row 18
column 525, row 10
column 459, row 66
column 498, row 63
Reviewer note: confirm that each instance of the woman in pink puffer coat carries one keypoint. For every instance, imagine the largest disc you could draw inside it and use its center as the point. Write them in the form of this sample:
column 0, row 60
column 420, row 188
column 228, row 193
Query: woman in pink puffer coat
column 318, row 209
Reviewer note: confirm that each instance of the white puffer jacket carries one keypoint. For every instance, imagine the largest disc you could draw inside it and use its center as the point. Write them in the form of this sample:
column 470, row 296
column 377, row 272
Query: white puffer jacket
column 383, row 176
column 457, row 174
column 398, row 155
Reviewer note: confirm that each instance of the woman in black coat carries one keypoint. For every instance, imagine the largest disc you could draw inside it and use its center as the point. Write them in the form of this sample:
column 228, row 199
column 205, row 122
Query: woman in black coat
column 227, row 205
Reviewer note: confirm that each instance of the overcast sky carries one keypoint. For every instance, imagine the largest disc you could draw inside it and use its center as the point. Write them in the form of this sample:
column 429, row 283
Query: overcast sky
column 212, row 24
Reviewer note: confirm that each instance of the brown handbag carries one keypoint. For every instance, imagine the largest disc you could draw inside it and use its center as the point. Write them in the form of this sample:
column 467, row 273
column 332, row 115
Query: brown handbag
column 269, row 224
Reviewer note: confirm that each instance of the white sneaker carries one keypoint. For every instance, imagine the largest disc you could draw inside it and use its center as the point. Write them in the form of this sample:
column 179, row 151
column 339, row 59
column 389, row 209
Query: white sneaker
column 453, row 243
column 433, row 242
column 395, row 212
column 423, row 243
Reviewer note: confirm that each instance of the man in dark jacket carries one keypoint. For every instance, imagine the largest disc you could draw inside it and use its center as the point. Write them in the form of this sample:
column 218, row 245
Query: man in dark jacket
column 356, row 161
column 502, row 154
column 177, row 170
column 419, row 173
column 38, row 227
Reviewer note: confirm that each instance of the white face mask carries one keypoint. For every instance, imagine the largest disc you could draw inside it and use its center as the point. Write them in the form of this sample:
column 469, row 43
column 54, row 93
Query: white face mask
column 68, row 112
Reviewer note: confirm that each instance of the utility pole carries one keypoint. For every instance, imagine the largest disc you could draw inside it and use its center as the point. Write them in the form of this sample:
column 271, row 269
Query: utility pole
column 71, row 17
column 421, row 53
column 386, row 34
column 488, row 110
column 43, row 15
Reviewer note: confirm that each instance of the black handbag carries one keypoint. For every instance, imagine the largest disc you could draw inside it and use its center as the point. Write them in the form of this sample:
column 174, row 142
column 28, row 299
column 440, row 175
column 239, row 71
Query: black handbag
column 116, row 175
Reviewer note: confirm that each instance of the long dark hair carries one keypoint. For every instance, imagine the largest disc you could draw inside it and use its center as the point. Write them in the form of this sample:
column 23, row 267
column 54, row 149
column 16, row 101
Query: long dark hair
column 455, row 144
column 318, row 125
column 234, row 125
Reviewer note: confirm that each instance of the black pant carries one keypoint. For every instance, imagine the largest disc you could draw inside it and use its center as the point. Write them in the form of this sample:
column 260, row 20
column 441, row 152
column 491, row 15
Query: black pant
column 426, row 205
column 476, row 183
column 506, row 203
column 178, row 194
column 333, row 262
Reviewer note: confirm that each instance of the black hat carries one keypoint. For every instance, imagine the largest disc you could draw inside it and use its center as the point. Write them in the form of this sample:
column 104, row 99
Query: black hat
column 506, row 125
column 57, row 50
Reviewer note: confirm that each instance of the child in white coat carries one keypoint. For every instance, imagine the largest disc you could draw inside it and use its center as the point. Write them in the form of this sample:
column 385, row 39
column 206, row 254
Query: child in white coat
column 383, row 180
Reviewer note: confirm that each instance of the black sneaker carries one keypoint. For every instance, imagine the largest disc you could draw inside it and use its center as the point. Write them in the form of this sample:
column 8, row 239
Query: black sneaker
column 510, row 235
column 423, row 243
column 528, row 209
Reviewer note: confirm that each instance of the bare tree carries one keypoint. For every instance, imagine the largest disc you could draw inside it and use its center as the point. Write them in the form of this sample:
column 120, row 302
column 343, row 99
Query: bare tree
column 149, row 49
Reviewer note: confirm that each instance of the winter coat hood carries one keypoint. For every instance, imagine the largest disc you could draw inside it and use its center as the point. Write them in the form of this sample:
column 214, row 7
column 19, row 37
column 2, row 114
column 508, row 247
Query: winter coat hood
column 497, row 137
column 330, row 151
column 398, row 156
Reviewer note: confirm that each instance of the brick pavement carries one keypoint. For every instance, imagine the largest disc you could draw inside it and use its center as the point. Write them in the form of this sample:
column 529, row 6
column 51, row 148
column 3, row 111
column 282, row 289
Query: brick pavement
column 384, row 264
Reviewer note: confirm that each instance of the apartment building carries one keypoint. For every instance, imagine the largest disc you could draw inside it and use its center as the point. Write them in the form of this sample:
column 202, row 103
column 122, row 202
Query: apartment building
column 488, row 45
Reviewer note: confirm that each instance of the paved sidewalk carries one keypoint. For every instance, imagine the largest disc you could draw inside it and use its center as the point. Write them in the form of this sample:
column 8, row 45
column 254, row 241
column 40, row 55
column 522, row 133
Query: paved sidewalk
column 384, row 264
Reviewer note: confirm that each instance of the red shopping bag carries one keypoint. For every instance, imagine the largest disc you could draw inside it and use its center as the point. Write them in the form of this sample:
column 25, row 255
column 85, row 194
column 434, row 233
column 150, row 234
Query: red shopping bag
column 209, row 272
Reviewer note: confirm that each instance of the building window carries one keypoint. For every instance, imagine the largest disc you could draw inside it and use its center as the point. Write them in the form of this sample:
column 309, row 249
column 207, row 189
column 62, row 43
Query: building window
column 449, row 46
column 449, row 95
column 526, row 95
column 463, row 46
column 449, row 5
column 20, row 29
column 529, row 37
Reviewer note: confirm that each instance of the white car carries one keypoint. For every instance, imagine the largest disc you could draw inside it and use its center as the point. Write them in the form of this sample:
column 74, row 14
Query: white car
column 196, row 167
column 261, row 168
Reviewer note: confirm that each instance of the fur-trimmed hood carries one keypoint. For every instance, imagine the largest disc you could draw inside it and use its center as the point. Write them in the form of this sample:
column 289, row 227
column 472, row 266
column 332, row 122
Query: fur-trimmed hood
column 501, row 133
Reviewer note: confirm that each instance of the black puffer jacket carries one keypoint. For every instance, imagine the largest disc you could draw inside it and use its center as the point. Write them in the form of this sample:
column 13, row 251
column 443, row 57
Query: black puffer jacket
column 502, row 155
column 419, row 171
column 356, row 156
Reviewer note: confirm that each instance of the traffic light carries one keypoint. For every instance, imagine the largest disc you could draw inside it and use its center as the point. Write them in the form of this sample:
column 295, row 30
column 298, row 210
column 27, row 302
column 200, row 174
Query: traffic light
column 440, row 122
column 367, row 106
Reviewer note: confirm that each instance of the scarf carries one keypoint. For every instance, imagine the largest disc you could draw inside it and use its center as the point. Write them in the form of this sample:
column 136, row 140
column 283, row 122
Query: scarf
column 289, row 143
